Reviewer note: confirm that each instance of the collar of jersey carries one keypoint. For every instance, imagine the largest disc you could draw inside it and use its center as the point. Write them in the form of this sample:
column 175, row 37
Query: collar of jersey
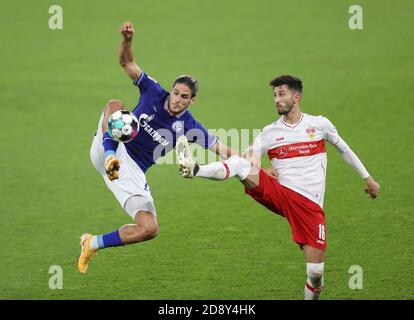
column 294, row 125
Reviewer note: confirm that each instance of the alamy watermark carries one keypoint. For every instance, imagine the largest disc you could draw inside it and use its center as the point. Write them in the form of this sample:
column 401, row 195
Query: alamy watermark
column 56, row 18
column 56, row 280
column 237, row 139
column 355, row 22
column 356, row 280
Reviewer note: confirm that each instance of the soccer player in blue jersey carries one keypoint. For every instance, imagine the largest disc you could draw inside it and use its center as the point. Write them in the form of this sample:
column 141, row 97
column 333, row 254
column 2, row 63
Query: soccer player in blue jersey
column 163, row 117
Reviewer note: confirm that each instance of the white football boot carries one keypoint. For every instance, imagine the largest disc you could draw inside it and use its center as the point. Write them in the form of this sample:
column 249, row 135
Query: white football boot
column 188, row 166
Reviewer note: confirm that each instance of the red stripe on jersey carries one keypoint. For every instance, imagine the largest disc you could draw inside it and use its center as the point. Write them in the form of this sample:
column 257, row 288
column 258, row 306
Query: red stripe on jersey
column 227, row 170
column 301, row 149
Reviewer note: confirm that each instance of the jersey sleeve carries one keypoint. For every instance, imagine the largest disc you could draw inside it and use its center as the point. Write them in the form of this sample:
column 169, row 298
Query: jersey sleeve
column 109, row 144
column 330, row 133
column 148, row 86
column 351, row 158
column 197, row 133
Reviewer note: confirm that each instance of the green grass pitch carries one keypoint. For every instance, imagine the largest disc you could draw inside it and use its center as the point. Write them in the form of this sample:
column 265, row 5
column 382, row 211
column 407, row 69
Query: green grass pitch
column 214, row 242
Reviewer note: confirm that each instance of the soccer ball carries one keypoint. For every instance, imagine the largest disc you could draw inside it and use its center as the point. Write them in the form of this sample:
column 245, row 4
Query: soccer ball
column 123, row 126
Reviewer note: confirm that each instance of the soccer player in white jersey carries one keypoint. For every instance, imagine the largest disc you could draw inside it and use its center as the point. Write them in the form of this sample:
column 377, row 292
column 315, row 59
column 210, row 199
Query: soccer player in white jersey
column 163, row 117
column 295, row 144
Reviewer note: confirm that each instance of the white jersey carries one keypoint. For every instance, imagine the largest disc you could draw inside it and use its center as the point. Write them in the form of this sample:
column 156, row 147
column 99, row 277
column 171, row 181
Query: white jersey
column 298, row 154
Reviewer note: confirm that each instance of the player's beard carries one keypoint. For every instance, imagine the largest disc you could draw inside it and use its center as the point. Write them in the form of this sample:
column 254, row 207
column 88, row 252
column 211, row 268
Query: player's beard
column 176, row 112
column 286, row 109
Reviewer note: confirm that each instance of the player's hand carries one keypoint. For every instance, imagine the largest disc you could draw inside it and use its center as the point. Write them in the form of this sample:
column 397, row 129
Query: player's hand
column 271, row 172
column 127, row 31
column 373, row 188
column 112, row 166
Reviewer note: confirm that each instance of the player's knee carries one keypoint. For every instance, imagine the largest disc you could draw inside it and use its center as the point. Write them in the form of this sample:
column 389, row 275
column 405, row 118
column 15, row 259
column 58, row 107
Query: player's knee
column 146, row 231
column 113, row 105
column 315, row 273
column 151, row 231
column 147, row 226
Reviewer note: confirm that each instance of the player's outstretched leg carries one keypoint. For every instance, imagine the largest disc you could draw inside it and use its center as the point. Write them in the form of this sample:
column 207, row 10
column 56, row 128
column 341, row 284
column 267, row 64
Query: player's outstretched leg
column 314, row 270
column 145, row 228
column 234, row 166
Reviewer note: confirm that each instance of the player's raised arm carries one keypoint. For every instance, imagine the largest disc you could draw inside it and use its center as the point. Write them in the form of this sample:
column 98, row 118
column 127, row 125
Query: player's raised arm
column 126, row 57
column 372, row 187
column 332, row 136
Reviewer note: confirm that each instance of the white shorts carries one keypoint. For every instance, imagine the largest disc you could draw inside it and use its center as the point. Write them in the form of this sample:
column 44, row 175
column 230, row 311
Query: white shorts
column 131, row 189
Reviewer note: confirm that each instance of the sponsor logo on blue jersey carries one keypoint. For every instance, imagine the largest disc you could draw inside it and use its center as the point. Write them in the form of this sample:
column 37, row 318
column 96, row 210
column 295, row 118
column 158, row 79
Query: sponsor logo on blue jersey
column 144, row 120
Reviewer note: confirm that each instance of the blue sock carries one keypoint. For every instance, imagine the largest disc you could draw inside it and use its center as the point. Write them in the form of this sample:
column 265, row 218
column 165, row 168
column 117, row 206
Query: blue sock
column 111, row 239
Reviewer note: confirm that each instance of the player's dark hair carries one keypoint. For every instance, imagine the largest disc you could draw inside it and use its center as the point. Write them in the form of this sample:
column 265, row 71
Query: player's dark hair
column 291, row 81
column 190, row 82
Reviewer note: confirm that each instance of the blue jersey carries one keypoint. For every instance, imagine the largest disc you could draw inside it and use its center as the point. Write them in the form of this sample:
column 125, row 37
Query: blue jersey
column 158, row 130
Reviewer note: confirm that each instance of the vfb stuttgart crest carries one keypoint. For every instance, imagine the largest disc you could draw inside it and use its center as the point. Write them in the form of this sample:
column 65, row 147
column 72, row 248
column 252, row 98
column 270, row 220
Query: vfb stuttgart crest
column 311, row 132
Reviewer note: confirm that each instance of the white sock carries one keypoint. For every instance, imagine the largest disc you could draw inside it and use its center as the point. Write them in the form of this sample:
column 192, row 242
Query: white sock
column 314, row 283
column 94, row 243
column 234, row 166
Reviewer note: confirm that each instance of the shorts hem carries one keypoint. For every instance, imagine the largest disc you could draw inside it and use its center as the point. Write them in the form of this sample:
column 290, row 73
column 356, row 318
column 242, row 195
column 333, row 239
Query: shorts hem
column 133, row 215
column 302, row 243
